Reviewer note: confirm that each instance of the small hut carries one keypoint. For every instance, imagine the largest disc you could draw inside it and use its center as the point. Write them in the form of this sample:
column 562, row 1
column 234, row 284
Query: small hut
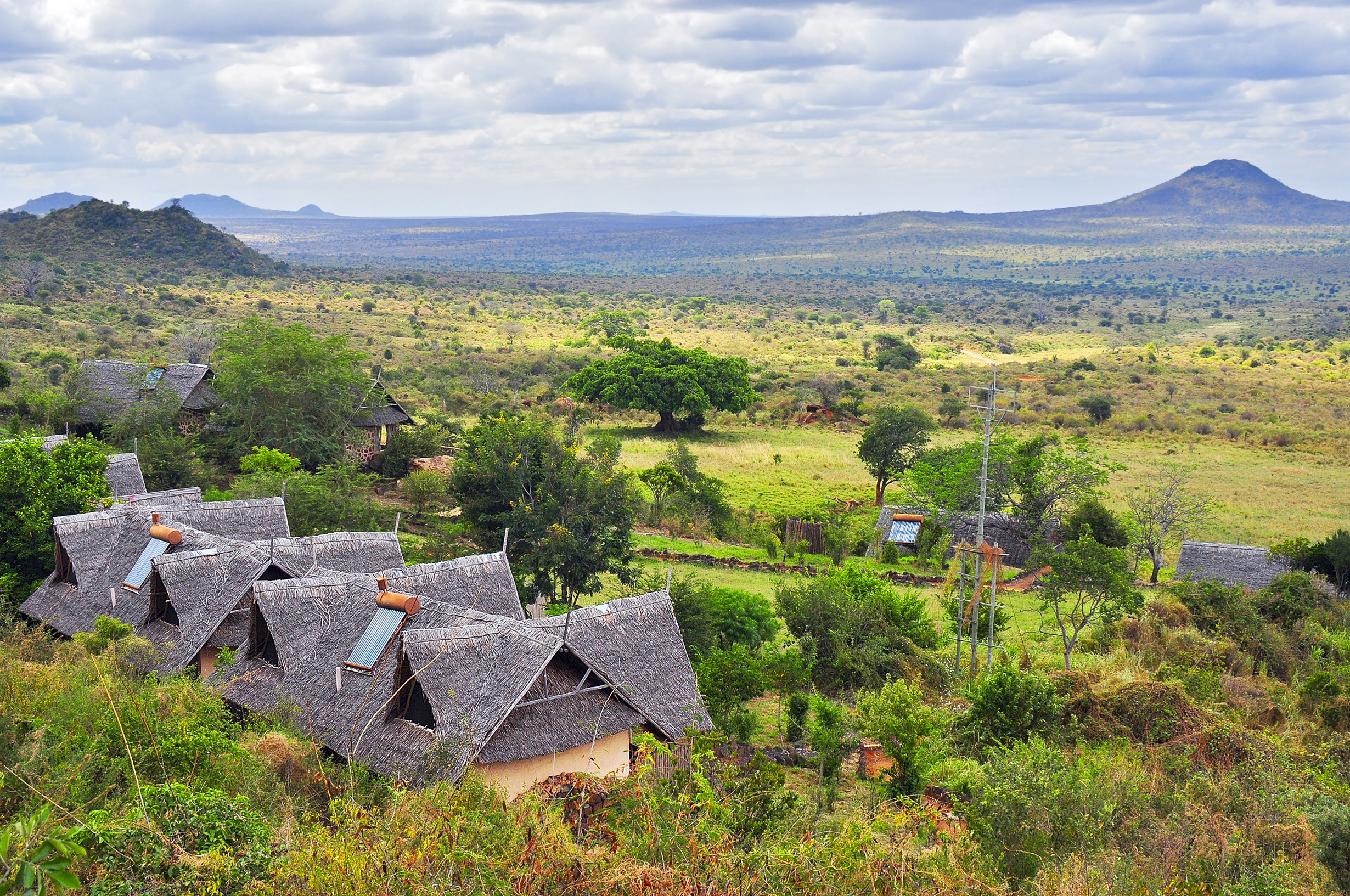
column 1232, row 564
column 377, row 419
column 109, row 388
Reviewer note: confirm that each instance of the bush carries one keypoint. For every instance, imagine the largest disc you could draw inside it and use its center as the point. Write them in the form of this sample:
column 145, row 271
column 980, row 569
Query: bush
column 857, row 628
column 1008, row 705
column 798, row 706
column 907, row 730
column 1331, row 820
column 409, row 442
column 424, row 489
column 714, row 617
column 728, row 679
column 1035, row 803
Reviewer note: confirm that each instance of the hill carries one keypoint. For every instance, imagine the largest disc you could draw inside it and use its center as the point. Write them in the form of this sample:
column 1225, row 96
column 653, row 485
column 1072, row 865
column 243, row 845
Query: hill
column 163, row 241
column 1196, row 212
column 206, row 205
column 1225, row 191
column 51, row 202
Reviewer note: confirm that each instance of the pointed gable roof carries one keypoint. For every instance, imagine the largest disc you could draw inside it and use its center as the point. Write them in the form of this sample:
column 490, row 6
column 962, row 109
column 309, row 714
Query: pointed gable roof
column 483, row 582
column 635, row 643
column 113, row 386
column 378, row 408
column 124, row 474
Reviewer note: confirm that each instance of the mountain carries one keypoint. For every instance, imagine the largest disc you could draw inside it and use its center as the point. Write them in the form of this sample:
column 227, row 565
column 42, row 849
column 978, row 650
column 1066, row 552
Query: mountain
column 206, row 205
column 160, row 242
column 1225, row 191
column 51, row 202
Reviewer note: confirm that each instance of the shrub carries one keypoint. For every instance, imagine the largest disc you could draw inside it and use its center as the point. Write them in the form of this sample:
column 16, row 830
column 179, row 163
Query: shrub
column 907, row 729
column 1331, row 820
column 728, row 678
column 714, row 617
column 798, row 706
column 1008, row 705
column 424, row 489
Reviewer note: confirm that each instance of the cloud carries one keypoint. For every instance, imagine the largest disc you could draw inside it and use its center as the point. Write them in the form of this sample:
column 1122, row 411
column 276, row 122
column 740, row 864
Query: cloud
column 391, row 107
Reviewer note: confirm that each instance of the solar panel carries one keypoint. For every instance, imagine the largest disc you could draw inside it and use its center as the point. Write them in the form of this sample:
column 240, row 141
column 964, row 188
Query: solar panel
column 375, row 638
column 904, row 531
column 152, row 377
column 141, row 571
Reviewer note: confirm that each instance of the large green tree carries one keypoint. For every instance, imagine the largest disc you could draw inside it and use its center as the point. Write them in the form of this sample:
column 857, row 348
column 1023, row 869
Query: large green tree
column 679, row 384
column 571, row 517
column 289, row 388
column 34, row 487
column 892, row 441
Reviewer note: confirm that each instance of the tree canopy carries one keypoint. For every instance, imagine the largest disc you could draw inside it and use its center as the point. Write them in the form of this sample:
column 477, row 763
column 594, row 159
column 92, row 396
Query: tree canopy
column 679, row 384
column 894, row 353
column 35, row 486
column 1088, row 582
column 571, row 517
column 891, row 443
column 286, row 387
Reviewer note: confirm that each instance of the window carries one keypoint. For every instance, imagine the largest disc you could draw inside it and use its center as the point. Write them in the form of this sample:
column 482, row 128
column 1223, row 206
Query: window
column 260, row 643
column 160, row 605
column 412, row 703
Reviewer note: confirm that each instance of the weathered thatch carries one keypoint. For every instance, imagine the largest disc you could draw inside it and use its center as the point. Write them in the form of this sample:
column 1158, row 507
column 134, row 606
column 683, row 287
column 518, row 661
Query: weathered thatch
column 378, row 408
column 1002, row 529
column 340, row 551
column 482, row 581
column 110, row 387
column 1232, row 564
column 95, row 551
column 124, row 475
column 635, row 644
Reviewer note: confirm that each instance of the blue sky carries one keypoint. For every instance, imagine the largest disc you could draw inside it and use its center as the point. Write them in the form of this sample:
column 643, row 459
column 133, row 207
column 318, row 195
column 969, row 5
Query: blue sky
column 404, row 107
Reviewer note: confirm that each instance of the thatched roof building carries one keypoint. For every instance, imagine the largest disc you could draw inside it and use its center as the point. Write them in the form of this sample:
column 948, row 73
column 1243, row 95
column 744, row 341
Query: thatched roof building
column 124, row 470
column 110, row 387
column 482, row 581
column 376, row 420
column 421, row 689
column 103, row 558
column 1231, row 564
column 899, row 525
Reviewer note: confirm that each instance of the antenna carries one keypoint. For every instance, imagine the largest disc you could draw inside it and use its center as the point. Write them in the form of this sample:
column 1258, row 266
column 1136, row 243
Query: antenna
column 135, row 445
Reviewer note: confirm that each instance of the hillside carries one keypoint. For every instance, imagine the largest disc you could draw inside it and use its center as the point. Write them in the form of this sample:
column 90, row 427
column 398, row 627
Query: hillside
column 167, row 240
column 206, row 205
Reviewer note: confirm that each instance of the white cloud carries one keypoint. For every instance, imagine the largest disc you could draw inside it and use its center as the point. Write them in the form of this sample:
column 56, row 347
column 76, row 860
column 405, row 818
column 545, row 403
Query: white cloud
column 733, row 105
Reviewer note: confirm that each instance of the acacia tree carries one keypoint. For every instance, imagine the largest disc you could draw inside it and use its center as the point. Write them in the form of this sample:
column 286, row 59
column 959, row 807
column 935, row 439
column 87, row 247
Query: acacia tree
column 891, row 442
column 571, row 518
column 1164, row 513
column 679, row 384
column 1088, row 582
column 288, row 388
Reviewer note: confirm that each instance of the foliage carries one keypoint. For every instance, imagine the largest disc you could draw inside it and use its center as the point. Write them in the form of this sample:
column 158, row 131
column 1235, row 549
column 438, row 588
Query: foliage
column 408, row 442
column 571, row 519
column 680, row 384
column 680, row 489
column 34, row 487
column 798, row 707
column 35, row 856
column 334, row 498
column 826, row 735
column 714, row 617
column 424, row 489
column 1088, row 583
column 1329, row 557
column 285, row 386
column 1331, row 820
column 1092, row 518
column 1007, row 705
column 1035, row 804
column 907, row 729
column 1099, row 407
column 891, row 442
column 142, row 850
column 856, row 627
column 895, row 353
column 168, row 457
column 728, row 678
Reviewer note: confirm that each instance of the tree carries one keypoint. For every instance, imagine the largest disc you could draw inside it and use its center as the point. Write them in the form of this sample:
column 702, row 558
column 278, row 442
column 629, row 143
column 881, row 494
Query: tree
column 1329, row 557
column 333, row 498
column 571, row 518
column 714, row 617
column 286, row 387
column 1087, row 583
column 1099, row 407
column 855, row 627
column 1164, row 513
column 1039, row 477
column 950, row 410
column 896, row 716
column 825, row 734
column 34, row 487
column 167, row 456
column 663, row 479
column 727, row 679
column 894, row 353
column 891, row 442
column 679, row 384
column 679, row 487
column 1008, row 705
column 1091, row 517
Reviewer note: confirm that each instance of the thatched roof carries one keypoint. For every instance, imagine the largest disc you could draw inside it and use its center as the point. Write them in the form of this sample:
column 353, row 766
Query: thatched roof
column 1002, row 529
column 124, row 474
column 635, row 643
column 481, row 581
column 95, row 552
column 111, row 387
column 498, row 688
column 378, row 408
column 1232, row 564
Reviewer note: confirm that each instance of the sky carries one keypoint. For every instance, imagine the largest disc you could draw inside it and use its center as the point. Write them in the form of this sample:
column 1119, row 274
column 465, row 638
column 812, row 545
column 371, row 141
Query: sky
column 472, row 107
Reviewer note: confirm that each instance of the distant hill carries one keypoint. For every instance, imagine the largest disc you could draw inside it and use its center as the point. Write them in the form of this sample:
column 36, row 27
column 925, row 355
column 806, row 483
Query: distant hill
column 1223, row 191
column 206, row 205
column 51, row 202
column 156, row 242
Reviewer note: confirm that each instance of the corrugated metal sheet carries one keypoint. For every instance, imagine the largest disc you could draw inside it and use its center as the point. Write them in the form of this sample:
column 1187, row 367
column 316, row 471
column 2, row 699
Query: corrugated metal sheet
column 903, row 531
column 152, row 377
column 141, row 570
column 375, row 638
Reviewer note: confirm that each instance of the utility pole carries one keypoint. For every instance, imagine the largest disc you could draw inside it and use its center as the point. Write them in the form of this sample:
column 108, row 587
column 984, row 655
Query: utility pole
column 988, row 408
